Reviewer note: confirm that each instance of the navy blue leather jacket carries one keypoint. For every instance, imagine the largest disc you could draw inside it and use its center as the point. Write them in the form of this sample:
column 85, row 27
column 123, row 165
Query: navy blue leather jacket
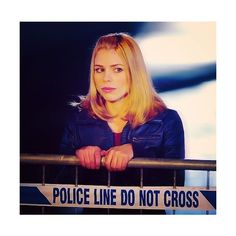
column 161, row 137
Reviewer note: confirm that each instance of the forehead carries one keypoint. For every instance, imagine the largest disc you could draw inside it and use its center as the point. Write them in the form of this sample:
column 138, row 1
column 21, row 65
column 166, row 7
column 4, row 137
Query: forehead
column 107, row 57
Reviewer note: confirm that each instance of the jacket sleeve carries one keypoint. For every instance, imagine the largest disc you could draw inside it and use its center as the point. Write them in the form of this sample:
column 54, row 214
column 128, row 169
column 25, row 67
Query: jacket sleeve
column 174, row 147
column 69, row 138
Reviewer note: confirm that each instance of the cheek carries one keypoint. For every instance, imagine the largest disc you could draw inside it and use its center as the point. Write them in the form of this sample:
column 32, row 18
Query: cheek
column 124, row 84
column 96, row 82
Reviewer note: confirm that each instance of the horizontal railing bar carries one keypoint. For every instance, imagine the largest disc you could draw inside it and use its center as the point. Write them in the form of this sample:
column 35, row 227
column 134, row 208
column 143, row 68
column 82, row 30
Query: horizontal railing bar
column 159, row 163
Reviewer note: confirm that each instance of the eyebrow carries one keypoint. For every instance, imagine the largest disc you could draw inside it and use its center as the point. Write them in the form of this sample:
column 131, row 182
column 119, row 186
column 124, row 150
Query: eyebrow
column 110, row 65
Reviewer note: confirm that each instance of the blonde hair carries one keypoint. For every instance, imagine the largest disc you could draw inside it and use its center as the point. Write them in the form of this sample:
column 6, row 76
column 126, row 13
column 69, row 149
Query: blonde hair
column 144, row 102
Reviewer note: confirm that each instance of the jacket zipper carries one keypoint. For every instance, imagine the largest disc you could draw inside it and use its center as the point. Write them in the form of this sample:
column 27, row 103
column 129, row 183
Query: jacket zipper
column 145, row 138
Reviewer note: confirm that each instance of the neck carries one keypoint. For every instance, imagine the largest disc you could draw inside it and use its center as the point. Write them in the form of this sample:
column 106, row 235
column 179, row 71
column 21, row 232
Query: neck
column 117, row 108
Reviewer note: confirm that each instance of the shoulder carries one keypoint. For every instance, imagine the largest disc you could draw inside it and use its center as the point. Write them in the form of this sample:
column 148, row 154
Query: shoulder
column 167, row 115
column 170, row 120
column 80, row 116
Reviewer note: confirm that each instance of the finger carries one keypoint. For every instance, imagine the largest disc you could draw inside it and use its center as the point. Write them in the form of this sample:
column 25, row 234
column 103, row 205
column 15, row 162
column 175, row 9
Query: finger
column 91, row 159
column 80, row 156
column 97, row 157
column 108, row 159
column 114, row 161
column 87, row 159
column 119, row 164
column 124, row 164
column 82, row 159
column 103, row 153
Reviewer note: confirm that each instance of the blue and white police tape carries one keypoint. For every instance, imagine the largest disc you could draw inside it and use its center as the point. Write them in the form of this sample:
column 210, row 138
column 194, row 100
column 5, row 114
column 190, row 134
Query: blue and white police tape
column 91, row 196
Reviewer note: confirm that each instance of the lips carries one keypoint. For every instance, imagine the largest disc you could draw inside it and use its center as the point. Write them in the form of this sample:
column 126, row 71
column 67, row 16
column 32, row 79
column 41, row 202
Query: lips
column 108, row 89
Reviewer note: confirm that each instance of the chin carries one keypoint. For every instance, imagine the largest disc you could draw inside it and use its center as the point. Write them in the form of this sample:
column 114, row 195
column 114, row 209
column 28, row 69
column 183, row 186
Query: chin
column 110, row 98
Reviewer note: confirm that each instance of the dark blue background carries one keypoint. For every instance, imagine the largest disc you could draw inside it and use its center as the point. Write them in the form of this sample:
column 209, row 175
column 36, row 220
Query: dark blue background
column 54, row 67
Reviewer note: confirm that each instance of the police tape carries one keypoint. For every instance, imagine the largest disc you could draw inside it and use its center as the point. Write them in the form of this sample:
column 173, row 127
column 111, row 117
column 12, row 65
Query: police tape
column 91, row 196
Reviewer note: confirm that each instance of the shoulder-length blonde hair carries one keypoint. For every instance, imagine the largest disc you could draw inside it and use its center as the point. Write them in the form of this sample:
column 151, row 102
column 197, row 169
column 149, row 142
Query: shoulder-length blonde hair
column 144, row 102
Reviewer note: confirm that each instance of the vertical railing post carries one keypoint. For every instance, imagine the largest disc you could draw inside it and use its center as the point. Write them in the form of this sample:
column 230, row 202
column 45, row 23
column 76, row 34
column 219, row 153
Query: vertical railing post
column 76, row 176
column 208, row 179
column 43, row 175
column 208, row 186
column 174, row 185
column 108, row 178
column 141, row 184
column 108, row 185
column 43, row 183
column 76, row 183
column 141, row 177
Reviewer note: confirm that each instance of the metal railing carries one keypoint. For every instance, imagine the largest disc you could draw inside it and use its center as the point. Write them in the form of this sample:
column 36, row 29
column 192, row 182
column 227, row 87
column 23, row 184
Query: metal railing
column 159, row 163
column 141, row 163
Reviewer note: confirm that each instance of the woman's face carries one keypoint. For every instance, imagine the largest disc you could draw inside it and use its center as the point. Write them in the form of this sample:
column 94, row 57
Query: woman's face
column 110, row 75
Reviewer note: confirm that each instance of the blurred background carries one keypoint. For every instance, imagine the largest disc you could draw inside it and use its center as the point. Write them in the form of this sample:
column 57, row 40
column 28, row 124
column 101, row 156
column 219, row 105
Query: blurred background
column 181, row 59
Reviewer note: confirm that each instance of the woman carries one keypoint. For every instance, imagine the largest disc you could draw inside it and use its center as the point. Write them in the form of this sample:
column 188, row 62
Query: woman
column 121, row 118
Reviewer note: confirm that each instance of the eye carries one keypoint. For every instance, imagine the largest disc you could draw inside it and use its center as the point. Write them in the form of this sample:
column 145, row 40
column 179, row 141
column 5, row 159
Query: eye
column 99, row 69
column 118, row 69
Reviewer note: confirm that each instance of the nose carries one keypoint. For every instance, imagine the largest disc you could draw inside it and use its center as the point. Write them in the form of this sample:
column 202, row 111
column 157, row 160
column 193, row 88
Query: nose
column 107, row 76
